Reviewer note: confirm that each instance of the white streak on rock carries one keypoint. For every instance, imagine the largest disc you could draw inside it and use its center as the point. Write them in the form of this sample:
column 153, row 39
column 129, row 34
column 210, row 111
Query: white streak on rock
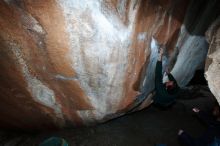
column 169, row 25
column 154, row 45
column 38, row 28
column 41, row 93
column 213, row 78
column 192, row 55
column 62, row 77
column 30, row 23
column 121, row 7
column 141, row 36
column 98, row 50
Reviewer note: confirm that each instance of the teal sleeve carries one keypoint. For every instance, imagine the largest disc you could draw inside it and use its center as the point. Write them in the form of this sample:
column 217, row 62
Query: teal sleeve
column 171, row 78
column 158, row 75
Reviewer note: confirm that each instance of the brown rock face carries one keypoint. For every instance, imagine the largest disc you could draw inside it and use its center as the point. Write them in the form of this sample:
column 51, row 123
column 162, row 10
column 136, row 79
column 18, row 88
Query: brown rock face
column 77, row 62
column 213, row 59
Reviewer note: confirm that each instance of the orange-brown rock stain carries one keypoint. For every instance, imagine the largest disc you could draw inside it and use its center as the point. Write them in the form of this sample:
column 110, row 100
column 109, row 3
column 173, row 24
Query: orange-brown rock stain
column 44, row 63
column 46, row 55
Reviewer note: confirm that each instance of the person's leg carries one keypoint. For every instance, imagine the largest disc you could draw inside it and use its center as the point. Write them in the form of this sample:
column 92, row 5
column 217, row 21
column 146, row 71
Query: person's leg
column 185, row 138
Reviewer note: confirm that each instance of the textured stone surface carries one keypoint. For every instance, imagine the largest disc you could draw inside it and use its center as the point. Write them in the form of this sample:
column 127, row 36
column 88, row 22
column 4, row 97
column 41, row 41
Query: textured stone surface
column 213, row 59
column 76, row 62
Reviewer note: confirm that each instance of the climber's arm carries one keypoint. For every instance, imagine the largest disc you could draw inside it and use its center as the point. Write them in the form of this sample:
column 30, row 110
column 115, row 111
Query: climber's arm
column 158, row 70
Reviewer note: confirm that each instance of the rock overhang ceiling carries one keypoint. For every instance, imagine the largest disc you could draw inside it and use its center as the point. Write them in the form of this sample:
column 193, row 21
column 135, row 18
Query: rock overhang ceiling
column 77, row 62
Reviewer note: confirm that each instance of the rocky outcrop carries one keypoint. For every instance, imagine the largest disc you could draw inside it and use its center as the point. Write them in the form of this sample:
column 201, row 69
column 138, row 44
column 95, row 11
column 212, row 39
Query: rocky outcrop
column 213, row 59
column 77, row 62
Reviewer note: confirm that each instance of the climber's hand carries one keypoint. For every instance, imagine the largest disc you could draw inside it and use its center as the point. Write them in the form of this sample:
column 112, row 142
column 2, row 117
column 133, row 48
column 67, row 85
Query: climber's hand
column 161, row 51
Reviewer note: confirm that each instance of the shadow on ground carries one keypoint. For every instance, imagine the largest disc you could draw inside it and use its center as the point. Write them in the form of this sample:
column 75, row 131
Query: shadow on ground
column 144, row 128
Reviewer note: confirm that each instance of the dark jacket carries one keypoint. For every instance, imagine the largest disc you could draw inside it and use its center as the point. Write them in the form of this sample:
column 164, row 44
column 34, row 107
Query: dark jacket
column 163, row 96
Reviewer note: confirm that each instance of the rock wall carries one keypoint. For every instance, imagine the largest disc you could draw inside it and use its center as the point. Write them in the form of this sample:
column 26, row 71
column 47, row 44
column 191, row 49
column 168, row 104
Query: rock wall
column 212, row 73
column 77, row 62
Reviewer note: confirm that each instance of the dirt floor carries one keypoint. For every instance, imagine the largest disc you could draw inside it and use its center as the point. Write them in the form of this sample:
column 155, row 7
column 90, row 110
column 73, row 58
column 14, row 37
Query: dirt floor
column 144, row 128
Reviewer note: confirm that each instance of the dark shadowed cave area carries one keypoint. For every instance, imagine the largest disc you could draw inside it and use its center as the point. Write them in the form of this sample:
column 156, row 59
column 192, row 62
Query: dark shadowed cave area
column 146, row 127
column 84, row 70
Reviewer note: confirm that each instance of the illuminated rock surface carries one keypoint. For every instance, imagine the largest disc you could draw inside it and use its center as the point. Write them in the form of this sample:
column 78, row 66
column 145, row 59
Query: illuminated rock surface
column 213, row 59
column 76, row 62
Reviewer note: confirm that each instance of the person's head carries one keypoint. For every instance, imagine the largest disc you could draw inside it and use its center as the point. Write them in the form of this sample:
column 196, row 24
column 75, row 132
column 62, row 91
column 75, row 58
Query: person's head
column 169, row 85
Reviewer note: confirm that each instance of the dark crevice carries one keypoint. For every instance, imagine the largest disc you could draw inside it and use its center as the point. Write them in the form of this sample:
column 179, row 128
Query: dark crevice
column 198, row 78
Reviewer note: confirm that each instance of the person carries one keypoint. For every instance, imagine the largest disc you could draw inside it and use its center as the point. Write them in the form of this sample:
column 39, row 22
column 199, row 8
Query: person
column 211, row 136
column 165, row 93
